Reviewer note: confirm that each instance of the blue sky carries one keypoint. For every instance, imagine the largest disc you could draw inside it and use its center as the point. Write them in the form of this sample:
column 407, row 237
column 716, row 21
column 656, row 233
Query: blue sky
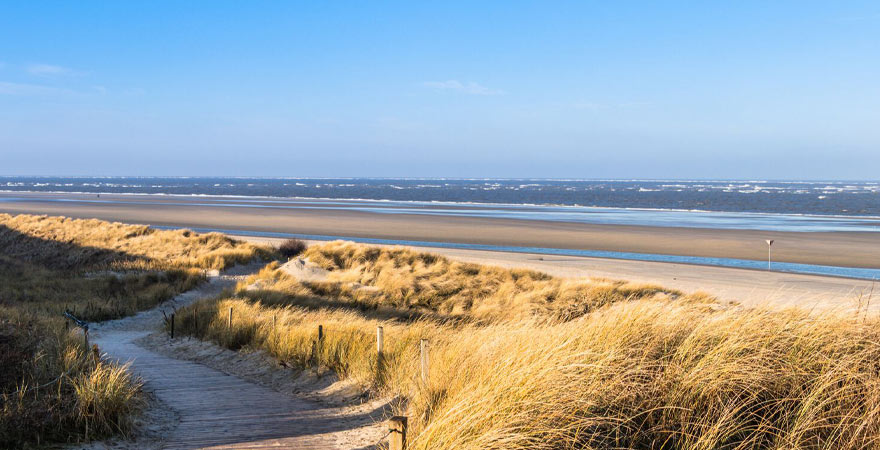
column 764, row 89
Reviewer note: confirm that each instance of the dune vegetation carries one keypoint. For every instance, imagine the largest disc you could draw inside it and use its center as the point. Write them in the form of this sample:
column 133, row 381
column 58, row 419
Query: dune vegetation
column 418, row 281
column 520, row 360
column 52, row 388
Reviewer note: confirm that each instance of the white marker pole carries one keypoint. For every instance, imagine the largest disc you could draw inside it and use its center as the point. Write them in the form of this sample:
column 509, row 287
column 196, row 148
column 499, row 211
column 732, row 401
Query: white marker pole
column 769, row 245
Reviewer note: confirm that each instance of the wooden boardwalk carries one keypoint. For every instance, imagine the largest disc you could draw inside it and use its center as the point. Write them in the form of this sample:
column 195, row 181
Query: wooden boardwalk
column 220, row 411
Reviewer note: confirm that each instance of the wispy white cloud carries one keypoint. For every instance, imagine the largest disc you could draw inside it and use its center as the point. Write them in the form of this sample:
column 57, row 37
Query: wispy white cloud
column 471, row 87
column 48, row 70
column 7, row 88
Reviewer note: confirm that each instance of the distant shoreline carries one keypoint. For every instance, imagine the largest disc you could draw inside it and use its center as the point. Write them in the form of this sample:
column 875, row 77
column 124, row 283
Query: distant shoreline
column 844, row 249
column 619, row 216
column 441, row 203
column 854, row 199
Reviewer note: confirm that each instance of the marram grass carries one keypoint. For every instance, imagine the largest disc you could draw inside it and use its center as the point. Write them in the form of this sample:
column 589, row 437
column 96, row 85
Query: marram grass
column 404, row 278
column 52, row 390
column 650, row 372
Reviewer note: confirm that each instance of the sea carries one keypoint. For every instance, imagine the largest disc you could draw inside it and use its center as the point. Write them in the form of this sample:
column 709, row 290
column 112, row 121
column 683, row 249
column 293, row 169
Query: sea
column 828, row 198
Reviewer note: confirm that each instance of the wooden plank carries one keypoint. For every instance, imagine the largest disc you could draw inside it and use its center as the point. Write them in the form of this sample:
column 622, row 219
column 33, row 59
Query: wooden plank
column 219, row 411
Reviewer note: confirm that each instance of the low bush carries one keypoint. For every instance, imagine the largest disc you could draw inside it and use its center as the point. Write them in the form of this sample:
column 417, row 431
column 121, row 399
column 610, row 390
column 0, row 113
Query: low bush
column 291, row 248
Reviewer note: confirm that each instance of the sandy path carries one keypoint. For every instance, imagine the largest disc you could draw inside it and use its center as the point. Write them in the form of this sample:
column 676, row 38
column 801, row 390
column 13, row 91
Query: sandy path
column 217, row 410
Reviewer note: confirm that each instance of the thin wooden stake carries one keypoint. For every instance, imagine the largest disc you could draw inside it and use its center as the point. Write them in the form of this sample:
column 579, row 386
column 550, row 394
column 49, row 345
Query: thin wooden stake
column 229, row 319
column 172, row 325
column 424, row 352
column 320, row 333
column 380, row 340
column 397, row 435
column 380, row 353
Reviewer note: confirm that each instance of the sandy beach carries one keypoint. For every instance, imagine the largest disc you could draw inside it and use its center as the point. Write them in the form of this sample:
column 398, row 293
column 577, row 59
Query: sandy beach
column 848, row 249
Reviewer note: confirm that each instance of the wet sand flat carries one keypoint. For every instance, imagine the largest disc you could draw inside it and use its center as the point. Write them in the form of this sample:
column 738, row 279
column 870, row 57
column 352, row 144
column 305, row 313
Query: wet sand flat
column 849, row 249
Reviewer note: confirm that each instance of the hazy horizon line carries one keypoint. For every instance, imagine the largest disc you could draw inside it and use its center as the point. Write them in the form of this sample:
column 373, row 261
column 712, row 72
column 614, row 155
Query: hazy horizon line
column 259, row 177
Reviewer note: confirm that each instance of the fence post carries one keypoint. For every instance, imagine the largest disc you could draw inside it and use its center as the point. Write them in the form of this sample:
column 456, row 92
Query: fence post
column 380, row 340
column 229, row 319
column 380, row 351
column 397, row 430
column 320, row 333
column 172, row 325
column 424, row 352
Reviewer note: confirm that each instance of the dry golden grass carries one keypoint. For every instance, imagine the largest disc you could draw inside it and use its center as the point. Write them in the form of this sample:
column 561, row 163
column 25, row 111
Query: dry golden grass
column 648, row 372
column 641, row 374
column 91, row 244
column 401, row 277
column 51, row 388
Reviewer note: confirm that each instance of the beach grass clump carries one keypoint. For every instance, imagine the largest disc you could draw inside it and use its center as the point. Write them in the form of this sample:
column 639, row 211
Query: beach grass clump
column 52, row 388
column 652, row 373
column 404, row 278
column 92, row 244
column 91, row 297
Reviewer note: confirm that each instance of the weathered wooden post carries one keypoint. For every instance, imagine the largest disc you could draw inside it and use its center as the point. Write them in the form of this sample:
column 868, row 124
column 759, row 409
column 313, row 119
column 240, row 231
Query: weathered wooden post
column 397, row 433
column 380, row 349
column 229, row 319
column 172, row 325
column 380, row 340
column 424, row 352
column 320, row 333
